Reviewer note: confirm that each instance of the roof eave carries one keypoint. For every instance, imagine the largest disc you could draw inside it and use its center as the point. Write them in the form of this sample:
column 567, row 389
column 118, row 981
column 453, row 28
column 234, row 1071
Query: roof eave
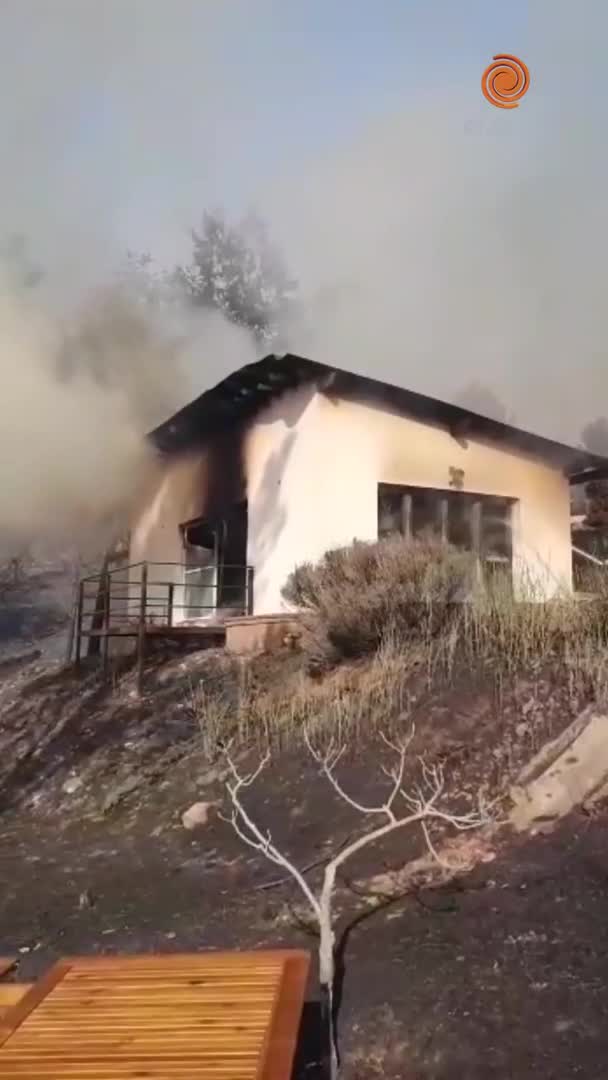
column 586, row 476
column 243, row 393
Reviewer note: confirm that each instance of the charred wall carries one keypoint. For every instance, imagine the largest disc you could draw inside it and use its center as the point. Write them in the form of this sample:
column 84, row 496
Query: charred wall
column 226, row 481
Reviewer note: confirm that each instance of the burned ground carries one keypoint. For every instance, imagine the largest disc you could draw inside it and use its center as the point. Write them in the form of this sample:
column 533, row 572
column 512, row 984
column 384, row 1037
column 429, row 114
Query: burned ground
column 500, row 972
column 34, row 612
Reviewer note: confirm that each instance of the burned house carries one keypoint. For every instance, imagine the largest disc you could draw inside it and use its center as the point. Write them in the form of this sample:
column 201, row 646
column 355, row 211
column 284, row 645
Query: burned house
column 287, row 458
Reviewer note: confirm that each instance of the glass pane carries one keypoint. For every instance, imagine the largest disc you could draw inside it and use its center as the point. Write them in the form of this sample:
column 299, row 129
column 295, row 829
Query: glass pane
column 496, row 538
column 426, row 513
column 200, row 580
column 200, row 591
column 459, row 520
column 389, row 512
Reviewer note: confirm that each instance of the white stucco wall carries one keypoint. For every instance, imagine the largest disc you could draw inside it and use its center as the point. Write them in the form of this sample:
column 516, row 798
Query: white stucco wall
column 314, row 466
column 179, row 496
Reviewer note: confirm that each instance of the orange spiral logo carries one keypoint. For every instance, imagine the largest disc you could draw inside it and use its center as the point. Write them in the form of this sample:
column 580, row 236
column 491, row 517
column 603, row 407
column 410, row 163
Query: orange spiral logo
column 505, row 81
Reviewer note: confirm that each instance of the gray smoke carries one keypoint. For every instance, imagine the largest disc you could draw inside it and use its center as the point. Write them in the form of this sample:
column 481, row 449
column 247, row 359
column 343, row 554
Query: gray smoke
column 80, row 392
column 441, row 244
column 452, row 242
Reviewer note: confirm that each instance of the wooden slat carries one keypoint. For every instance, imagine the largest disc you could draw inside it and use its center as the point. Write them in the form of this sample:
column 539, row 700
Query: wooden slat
column 11, row 993
column 284, row 1028
column 19, row 1012
column 221, row 1016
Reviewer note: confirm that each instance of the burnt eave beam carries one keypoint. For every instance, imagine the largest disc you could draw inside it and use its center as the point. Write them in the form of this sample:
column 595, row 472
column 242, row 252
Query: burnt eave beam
column 587, row 476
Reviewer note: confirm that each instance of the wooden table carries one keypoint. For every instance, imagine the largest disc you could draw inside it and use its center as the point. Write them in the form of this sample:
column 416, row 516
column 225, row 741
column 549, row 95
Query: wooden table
column 217, row 1016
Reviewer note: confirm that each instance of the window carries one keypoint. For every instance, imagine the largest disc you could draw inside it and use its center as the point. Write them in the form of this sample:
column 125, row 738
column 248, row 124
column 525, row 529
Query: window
column 477, row 523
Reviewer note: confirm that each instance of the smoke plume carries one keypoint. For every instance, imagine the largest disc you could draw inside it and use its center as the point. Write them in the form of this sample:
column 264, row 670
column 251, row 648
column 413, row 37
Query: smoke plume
column 433, row 257
column 439, row 242
column 448, row 242
column 77, row 404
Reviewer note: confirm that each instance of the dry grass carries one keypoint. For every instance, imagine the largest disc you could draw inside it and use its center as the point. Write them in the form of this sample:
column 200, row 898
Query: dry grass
column 348, row 702
column 423, row 646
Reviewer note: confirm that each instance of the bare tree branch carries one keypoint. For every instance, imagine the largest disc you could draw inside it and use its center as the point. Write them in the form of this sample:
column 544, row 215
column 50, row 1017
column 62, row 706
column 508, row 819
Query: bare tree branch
column 328, row 764
column 422, row 806
column 253, row 836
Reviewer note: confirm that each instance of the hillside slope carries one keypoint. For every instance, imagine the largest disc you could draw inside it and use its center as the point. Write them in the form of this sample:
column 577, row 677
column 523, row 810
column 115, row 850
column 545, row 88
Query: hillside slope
column 94, row 857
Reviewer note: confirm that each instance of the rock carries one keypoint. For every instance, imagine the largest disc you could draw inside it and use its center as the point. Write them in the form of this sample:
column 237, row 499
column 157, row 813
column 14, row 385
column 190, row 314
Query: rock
column 569, row 779
column 71, row 785
column 552, row 750
column 197, row 815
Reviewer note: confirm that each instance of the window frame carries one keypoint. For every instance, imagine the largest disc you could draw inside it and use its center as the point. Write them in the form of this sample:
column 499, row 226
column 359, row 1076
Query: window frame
column 476, row 499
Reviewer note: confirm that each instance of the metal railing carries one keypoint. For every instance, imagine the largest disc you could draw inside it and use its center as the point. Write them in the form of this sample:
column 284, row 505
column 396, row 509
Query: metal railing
column 589, row 557
column 155, row 598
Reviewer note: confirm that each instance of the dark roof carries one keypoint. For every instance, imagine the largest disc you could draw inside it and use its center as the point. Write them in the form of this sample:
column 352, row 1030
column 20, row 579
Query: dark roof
column 245, row 392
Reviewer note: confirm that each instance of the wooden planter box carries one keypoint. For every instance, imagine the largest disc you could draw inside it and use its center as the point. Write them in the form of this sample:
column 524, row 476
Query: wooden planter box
column 262, row 633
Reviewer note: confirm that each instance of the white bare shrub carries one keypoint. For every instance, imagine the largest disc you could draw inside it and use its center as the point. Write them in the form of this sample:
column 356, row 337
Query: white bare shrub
column 402, row 808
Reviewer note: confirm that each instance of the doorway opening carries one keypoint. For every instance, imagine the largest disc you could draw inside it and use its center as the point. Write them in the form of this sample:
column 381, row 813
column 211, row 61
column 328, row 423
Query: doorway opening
column 216, row 576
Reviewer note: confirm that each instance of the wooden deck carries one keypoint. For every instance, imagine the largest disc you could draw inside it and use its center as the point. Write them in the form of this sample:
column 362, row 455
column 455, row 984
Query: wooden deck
column 10, row 992
column 10, row 995
column 177, row 632
column 213, row 1016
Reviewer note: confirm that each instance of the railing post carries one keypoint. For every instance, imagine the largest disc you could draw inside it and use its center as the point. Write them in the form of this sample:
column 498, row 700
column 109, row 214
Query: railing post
column 249, row 590
column 219, row 585
column 141, row 635
column 170, row 603
column 106, row 619
column 79, row 611
column 476, row 541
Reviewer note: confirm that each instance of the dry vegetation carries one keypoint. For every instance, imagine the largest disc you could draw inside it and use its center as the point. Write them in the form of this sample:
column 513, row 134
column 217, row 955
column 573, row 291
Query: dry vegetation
column 356, row 595
column 384, row 634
